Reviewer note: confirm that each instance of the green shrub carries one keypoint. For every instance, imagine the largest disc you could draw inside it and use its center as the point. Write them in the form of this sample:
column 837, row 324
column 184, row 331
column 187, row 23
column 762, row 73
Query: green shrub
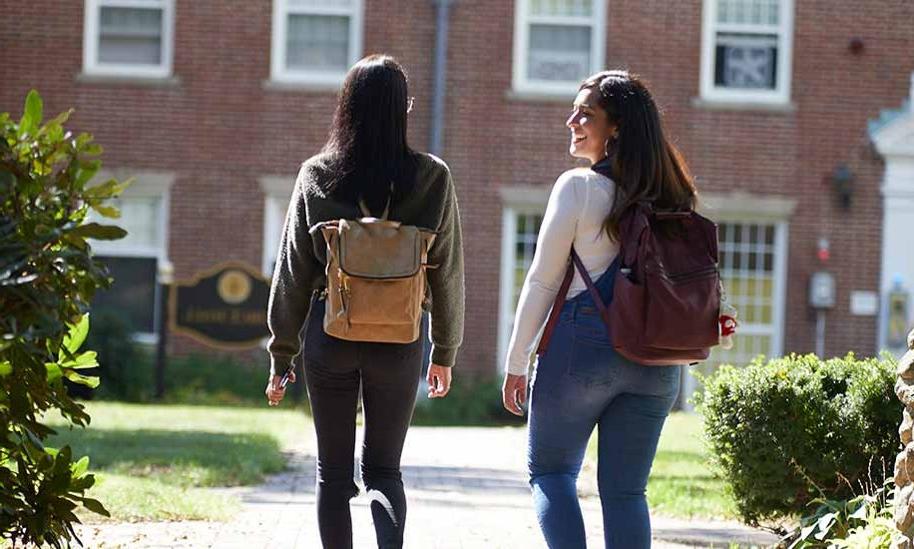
column 193, row 379
column 47, row 279
column 219, row 379
column 111, row 337
column 471, row 401
column 787, row 431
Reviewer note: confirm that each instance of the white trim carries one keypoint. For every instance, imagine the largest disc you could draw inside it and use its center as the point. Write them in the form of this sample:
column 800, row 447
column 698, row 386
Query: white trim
column 522, row 22
column 146, row 184
column 279, row 73
column 713, row 93
column 894, row 141
column 91, row 64
column 779, row 307
column 518, row 200
column 737, row 206
column 277, row 192
column 506, row 284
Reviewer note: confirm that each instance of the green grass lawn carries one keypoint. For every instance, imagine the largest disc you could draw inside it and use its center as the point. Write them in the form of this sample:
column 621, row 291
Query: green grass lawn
column 682, row 483
column 156, row 461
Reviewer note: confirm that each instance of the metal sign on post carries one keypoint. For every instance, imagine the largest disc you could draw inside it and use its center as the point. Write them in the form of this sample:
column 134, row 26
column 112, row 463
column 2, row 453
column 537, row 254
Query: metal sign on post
column 224, row 307
column 898, row 302
column 821, row 297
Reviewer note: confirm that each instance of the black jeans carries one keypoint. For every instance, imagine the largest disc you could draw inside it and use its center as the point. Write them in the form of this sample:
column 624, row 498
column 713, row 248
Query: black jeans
column 388, row 375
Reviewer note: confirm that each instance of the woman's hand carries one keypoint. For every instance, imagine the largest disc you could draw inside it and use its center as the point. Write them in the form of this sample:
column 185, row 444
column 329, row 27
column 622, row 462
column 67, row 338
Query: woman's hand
column 274, row 391
column 514, row 393
column 439, row 381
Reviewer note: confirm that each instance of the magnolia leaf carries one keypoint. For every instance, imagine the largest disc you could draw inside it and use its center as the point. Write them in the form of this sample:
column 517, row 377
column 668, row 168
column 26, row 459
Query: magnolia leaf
column 87, row 172
column 106, row 211
column 80, row 467
column 31, row 118
column 85, row 360
column 89, row 381
column 99, row 232
column 108, row 189
column 5, row 368
column 95, row 506
column 53, row 371
column 77, row 335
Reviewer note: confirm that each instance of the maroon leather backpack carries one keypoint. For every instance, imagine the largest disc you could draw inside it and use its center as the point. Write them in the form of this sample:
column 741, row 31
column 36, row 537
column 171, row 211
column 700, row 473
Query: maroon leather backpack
column 666, row 294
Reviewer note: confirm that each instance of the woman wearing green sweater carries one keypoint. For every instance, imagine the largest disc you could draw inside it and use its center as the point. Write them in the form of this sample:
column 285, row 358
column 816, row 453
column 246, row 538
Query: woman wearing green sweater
column 366, row 158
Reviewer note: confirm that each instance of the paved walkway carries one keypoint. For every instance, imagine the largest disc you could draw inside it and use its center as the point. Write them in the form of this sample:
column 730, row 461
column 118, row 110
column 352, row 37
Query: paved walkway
column 466, row 489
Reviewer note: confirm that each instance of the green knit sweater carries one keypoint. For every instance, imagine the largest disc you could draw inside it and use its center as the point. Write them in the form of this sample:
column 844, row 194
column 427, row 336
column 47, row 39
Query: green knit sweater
column 302, row 259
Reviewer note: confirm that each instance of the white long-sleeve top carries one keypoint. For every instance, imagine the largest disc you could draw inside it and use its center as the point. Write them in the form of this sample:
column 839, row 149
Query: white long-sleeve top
column 578, row 206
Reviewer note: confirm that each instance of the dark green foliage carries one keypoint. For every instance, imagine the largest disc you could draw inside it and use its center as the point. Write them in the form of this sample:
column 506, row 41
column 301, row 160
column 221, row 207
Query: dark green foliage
column 219, row 380
column 47, row 278
column 127, row 371
column 471, row 401
column 785, row 432
column 118, row 356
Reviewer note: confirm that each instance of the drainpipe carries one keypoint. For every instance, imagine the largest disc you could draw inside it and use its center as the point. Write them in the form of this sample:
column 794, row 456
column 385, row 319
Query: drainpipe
column 440, row 77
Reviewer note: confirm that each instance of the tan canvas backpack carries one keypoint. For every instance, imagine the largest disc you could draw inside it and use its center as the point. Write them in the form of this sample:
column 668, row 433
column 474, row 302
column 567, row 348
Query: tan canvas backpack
column 375, row 278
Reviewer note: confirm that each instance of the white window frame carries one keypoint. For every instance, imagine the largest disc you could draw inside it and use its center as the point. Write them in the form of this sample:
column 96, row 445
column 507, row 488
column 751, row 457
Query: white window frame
column 91, row 64
column 522, row 23
column 517, row 200
column 784, row 30
column 278, row 70
column 144, row 185
column 277, row 191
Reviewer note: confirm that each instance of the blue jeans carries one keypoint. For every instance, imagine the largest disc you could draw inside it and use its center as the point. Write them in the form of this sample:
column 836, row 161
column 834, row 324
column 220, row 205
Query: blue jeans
column 582, row 383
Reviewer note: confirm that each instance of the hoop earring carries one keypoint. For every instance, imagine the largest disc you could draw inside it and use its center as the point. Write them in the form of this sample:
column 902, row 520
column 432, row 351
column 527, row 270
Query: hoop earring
column 611, row 145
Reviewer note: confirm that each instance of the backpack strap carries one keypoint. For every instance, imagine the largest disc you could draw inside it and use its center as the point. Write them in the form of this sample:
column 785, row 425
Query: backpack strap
column 560, row 300
column 556, row 311
column 598, row 301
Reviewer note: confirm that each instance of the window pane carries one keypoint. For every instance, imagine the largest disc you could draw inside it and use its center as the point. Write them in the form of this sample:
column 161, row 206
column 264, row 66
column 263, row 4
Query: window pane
column 559, row 53
column 748, row 12
column 130, row 35
column 566, row 8
column 527, row 229
column 749, row 282
column 746, row 61
column 318, row 42
column 132, row 295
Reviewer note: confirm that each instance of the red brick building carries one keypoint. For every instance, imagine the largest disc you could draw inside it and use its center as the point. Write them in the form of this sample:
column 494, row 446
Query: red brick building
column 212, row 106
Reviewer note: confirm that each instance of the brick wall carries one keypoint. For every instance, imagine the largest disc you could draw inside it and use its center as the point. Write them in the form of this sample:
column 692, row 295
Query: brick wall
column 219, row 128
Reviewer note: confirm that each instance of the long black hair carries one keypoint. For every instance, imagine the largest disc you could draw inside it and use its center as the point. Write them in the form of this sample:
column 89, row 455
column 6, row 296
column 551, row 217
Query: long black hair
column 645, row 166
column 367, row 149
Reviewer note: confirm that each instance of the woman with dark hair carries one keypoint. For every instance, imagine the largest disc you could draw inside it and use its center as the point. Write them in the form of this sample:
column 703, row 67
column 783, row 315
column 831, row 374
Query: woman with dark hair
column 581, row 382
column 366, row 162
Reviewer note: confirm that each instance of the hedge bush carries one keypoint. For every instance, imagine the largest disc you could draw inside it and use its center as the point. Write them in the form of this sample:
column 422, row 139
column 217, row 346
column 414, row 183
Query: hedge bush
column 785, row 432
column 47, row 279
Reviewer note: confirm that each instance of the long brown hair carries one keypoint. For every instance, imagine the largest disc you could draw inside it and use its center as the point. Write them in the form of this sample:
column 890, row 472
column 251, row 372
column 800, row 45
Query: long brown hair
column 367, row 148
column 645, row 166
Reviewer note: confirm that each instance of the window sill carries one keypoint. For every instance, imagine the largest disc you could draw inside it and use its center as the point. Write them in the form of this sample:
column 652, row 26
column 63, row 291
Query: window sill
column 300, row 86
column 533, row 96
column 746, row 105
column 130, row 79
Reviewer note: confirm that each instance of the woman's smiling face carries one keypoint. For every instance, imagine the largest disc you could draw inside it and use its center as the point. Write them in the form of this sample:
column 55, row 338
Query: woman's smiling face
column 590, row 127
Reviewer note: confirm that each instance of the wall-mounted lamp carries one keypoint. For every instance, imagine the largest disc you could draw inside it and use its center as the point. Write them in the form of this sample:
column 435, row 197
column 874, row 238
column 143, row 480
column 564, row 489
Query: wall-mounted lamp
column 843, row 182
column 855, row 45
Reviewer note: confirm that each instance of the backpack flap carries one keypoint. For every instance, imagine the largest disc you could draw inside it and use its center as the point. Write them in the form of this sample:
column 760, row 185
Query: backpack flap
column 379, row 249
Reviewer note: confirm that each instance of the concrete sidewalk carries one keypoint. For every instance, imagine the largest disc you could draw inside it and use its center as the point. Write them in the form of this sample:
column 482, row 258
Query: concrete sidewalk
column 466, row 489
